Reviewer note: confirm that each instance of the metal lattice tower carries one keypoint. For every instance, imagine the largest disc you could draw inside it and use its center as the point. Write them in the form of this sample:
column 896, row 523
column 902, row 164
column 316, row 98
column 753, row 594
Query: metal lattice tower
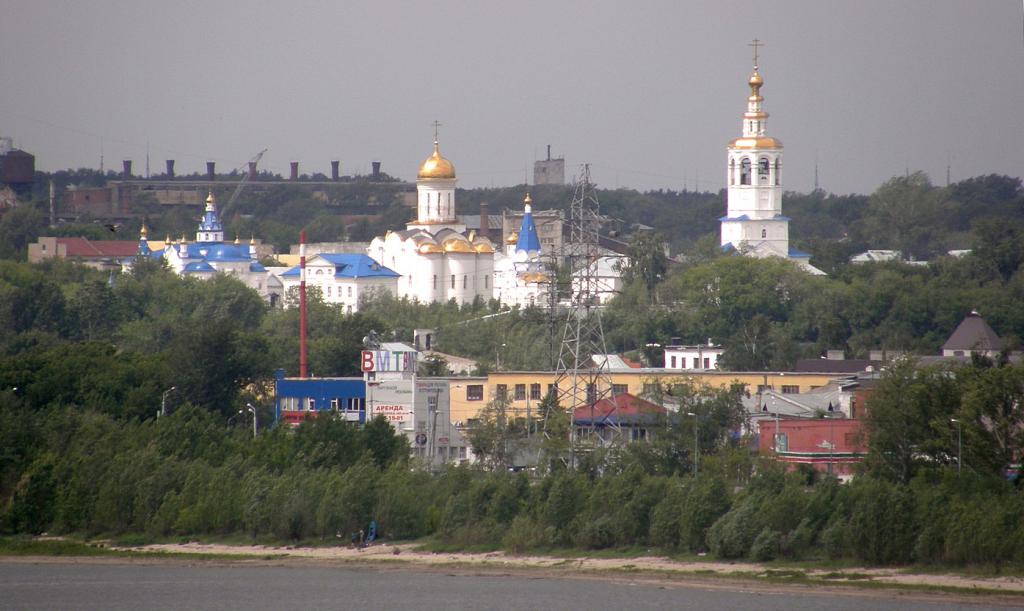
column 579, row 380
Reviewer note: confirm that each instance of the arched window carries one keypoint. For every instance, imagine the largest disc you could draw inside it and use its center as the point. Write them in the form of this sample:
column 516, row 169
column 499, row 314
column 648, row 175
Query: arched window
column 764, row 233
column 732, row 172
column 745, row 172
column 762, row 171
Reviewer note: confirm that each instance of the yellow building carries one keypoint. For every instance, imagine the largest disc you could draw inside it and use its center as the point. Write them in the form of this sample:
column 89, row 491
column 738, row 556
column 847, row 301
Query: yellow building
column 525, row 389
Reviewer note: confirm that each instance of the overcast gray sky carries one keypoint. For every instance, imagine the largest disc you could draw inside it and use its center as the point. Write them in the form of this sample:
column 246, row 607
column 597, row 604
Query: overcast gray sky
column 648, row 92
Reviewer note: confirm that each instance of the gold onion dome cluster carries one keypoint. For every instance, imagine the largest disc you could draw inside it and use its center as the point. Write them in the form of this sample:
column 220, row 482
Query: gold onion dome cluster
column 436, row 166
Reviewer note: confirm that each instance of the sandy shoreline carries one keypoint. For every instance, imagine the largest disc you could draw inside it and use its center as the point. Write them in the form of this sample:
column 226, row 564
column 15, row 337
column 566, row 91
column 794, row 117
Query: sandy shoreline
column 648, row 569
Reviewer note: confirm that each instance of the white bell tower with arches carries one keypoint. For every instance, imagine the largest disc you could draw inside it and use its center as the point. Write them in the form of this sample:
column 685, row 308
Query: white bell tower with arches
column 754, row 223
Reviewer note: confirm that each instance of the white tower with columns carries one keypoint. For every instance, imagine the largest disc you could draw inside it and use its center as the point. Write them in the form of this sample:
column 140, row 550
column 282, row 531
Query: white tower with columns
column 754, row 224
column 435, row 194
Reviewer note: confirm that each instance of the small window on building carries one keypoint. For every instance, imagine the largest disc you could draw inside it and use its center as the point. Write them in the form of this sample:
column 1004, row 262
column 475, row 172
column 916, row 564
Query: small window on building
column 790, row 389
column 453, row 280
column 552, row 390
column 762, row 170
column 311, row 404
column 781, row 442
column 334, row 404
column 764, row 233
column 763, row 387
column 591, row 393
column 620, row 389
column 501, row 391
column 696, row 363
column 350, row 291
column 487, row 281
column 672, row 360
column 650, row 388
column 520, row 392
column 435, row 282
column 707, row 362
column 535, row 392
column 475, row 392
column 354, row 404
column 462, row 452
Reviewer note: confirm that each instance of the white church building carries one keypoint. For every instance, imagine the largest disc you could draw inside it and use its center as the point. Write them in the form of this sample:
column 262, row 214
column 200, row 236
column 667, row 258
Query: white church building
column 209, row 254
column 754, row 224
column 433, row 256
column 520, row 276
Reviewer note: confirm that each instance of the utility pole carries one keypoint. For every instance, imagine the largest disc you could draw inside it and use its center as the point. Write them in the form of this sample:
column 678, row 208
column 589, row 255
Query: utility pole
column 959, row 447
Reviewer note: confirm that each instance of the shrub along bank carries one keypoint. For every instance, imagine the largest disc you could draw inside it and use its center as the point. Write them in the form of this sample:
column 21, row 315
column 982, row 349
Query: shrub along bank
column 190, row 475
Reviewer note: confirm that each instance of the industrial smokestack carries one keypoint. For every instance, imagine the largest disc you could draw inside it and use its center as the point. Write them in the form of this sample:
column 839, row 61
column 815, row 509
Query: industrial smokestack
column 485, row 221
column 53, row 203
column 302, row 301
column 127, row 169
column 376, row 169
column 211, row 171
column 252, row 170
column 170, row 168
column 295, row 170
column 334, row 169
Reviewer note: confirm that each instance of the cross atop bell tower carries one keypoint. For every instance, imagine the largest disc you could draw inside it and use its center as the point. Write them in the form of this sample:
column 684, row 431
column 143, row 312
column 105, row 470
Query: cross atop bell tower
column 756, row 43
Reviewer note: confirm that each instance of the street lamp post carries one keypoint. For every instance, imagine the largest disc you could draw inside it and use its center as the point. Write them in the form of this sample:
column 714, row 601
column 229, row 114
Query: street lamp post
column 696, row 442
column 163, row 400
column 959, row 447
column 255, row 425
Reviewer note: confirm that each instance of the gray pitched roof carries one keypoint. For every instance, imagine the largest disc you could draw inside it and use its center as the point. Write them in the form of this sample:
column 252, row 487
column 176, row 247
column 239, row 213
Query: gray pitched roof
column 973, row 334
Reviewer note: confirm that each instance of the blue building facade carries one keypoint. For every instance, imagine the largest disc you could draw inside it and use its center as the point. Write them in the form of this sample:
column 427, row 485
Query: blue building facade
column 296, row 399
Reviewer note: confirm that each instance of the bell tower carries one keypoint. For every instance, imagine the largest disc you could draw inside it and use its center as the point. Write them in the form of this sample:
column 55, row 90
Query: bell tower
column 754, row 222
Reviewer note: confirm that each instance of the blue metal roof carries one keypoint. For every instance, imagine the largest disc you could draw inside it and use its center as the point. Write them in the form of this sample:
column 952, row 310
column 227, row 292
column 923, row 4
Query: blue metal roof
column 201, row 266
column 218, row 251
column 256, row 266
column 350, row 265
column 799, row 254
column 528, row 240
column 210, row 222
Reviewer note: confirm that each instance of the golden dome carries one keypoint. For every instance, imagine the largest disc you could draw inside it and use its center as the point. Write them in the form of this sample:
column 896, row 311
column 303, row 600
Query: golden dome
column 429, row 249
column 483, row 248
column 143, row 232
column 755, row 83
column 436, row 166
column 531, row 277
column 512, row 238
column 209, row 199
column 236, row 239
column 456, row 245
column 760, row 142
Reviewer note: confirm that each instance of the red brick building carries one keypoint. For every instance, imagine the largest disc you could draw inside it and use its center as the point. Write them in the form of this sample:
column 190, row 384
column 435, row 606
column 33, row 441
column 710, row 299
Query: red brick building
column 829, row 445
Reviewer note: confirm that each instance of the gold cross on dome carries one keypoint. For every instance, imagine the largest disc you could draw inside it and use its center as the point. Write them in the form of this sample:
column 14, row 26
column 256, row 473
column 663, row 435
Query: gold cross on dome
column 757, row 43
column 436, row 125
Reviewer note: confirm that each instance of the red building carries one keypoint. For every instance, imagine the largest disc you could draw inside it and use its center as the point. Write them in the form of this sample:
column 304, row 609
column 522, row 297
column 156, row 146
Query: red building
column 829, row 445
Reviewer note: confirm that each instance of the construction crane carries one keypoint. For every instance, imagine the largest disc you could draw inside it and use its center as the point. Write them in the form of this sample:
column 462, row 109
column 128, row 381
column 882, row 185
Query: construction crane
column 245, row 178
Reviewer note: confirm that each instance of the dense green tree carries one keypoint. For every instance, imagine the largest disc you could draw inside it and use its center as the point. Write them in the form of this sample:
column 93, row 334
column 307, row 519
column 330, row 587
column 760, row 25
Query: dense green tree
column 908, row 420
